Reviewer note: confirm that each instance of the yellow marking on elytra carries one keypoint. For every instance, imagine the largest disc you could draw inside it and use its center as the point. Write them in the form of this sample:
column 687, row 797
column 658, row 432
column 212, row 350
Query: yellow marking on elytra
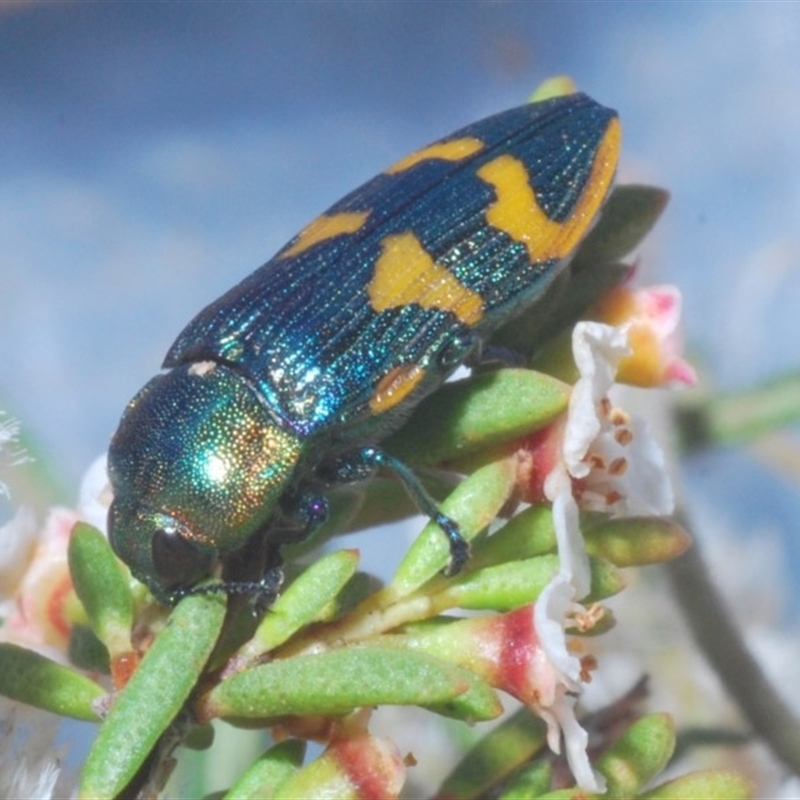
column 395, row 386
column 405, row 273
column 326, row 227
column 517, row 212
column 454, row 150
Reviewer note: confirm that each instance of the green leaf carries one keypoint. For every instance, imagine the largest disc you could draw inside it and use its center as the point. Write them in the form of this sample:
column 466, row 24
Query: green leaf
column 607, row 580
column 303, row 600
column 337, row 681
column 508, row 586
column 473, row 505
column 355, row 591
column 557, row 86
column 531, row 781
column 31, row 678
column 352, row 767
column 477, row 413
column 200, row 737
column 743, row 415
column 627, row 216
column 708, row 784
column 102, row 587
column 530, row 533
column 638, row 756
column 273, row 768
column 507, row 747
column 502, row 588
column 154, row 696
column 86, row 651
column 573, row 794
column 636, row 541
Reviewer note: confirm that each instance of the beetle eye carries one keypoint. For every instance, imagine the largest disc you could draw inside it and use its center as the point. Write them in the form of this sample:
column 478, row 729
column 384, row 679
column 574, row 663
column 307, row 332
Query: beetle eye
column 177, row 561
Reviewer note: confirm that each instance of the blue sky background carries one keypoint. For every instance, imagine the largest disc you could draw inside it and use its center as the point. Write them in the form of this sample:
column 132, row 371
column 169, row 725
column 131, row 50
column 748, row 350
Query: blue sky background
column 154, row 153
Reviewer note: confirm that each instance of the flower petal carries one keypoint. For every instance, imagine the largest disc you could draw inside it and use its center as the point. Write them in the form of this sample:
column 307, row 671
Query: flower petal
column 554, row 605
column 597, row 350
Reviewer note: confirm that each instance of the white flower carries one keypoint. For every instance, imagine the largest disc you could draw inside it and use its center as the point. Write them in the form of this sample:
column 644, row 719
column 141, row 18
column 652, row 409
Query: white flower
column 17, row 544
column 551, row 611
column 610, row 461
column 35, row 584
column 651, row 319
column 622, row 466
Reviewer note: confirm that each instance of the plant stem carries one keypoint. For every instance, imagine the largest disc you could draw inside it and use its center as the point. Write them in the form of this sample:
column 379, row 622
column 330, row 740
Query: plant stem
column 723, row 645
column 726, row 418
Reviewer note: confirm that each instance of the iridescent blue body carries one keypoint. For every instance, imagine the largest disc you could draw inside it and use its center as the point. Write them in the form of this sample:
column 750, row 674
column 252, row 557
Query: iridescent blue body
column 288, row 382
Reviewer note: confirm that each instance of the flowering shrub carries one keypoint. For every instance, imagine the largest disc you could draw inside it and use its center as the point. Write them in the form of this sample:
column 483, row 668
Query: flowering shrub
column 563, row 489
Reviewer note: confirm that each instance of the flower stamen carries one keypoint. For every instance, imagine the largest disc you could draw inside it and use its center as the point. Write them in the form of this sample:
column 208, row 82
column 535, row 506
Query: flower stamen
column 623, row 436
column 618, row 467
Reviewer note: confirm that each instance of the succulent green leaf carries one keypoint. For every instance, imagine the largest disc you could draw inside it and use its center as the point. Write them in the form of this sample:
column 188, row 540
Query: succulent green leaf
column 355, row 591
column 31, row 678
column 473, row 505
column 337, row 681
column 531, row 781
column 627, row 216
column 549, row 323
column 501, row 588
column 607, row 580
column 200, row 737
column 510, row 745
column 708, row 784
column 304, row 599
column 154, row 696
column 273, row 768
column 86, row 651
column 638, row 756
column 351, row 769
column 574, row 793
column 508, row 586
column 743, row 415
column 556, row 86
column 102, row 587
column 477, row 413
column 530, row 533
column 637, row 541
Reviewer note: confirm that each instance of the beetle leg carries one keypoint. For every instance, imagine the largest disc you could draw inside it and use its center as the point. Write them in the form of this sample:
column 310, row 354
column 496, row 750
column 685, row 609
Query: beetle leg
column 269, row 587
column 374, row 457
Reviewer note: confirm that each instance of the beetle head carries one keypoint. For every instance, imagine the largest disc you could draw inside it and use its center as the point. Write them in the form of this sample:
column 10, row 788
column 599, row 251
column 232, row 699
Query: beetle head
column 197, row 465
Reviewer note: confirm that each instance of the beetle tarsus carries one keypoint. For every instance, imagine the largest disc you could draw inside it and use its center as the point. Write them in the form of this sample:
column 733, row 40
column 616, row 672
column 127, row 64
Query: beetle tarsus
column 459, row 546
column 268, row 589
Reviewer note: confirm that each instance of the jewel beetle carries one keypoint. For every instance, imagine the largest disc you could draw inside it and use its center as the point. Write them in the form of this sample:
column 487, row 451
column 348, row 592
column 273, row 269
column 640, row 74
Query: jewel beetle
column 286, row 385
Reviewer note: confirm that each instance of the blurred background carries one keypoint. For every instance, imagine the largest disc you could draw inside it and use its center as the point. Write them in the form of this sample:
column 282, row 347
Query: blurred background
column 154, row 153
